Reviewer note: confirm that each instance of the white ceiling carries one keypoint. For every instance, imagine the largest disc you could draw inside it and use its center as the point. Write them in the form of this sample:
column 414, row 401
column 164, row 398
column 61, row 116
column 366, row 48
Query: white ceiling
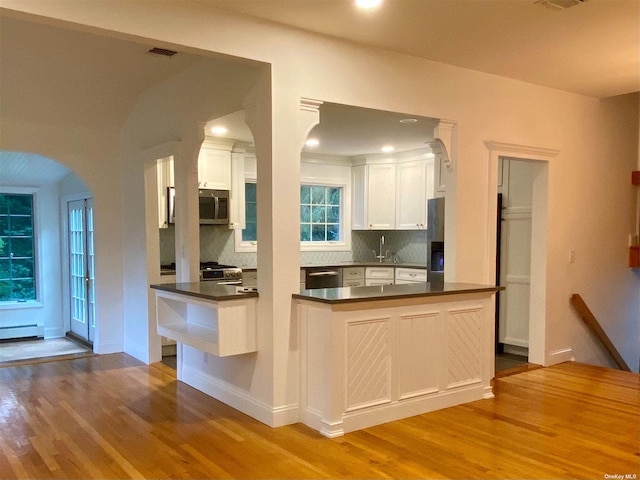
column 592, row 48
column 65, row 76
column 27, row 169
column 349, row 131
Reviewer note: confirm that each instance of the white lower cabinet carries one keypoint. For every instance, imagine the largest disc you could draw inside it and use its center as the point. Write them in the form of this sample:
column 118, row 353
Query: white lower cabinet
column 249, row 278
column 410, row 275
column 353, row 277
column 379, row 276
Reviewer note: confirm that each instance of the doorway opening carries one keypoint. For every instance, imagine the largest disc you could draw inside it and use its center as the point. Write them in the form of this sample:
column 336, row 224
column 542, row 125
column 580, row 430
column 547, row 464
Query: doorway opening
column 35, row 257
column 525, row 212
column 513, row 261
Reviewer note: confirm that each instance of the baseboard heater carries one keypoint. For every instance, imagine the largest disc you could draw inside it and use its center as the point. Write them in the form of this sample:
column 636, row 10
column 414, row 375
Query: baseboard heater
column 21, row 331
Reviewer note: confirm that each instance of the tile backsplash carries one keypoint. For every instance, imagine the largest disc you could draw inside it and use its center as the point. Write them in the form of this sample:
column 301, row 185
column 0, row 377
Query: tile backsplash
column 217, row 244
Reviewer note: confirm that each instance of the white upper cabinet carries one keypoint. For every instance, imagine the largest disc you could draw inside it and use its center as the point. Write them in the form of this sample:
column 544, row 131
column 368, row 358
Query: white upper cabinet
column 392, row 194
column 374, row 191
column 411, row 195
column 237, row 216
column 214, row 166
column 439, row 174
column 381, row 198
column 359, row 192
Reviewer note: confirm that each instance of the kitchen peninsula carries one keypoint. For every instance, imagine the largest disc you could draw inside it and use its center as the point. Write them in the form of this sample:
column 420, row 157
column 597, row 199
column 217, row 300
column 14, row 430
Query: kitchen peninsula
column 371, row 355
column 368, row 354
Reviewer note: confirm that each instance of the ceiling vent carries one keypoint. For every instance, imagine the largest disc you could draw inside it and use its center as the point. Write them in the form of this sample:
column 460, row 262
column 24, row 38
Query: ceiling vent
column 559, row 4
column 162, row 51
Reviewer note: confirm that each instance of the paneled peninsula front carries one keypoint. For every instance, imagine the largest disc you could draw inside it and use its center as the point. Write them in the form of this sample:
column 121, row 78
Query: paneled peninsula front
column 371, row 355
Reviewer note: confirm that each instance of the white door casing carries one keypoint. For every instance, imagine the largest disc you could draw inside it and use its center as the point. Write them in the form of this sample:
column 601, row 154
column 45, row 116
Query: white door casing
column 538, row 291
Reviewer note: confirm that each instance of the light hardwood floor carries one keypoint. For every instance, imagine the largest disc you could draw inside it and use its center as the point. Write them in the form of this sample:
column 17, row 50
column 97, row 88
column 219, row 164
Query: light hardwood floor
column 111, row 416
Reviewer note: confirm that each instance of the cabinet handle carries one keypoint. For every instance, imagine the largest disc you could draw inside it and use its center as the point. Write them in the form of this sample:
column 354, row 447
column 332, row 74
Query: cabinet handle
column 323, row 274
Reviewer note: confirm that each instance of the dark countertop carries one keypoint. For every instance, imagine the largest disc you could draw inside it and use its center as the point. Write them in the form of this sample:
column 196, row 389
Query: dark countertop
column 389, row 292
column 206, row 290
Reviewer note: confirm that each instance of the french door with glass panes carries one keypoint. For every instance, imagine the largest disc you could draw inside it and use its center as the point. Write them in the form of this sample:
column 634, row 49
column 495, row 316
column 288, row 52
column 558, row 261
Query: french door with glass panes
column 81, row 268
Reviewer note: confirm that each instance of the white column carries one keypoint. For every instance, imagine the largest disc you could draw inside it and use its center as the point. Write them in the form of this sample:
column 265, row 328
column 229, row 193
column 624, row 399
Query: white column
column 187, row 217
column 280, row 122
column 446, row 131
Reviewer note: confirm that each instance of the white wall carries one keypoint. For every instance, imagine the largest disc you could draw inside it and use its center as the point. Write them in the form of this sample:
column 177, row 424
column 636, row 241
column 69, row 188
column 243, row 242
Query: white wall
column 591, row 204
column 89, row 155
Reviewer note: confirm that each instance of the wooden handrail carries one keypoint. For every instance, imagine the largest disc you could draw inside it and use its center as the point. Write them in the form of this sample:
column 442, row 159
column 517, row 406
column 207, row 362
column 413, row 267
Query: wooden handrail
column 592, row 322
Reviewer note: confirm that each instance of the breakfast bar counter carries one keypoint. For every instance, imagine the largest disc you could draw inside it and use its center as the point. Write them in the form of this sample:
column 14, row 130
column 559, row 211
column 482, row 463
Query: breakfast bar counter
column 343, row 295
column 214, row 318
column 371, row 355
column 207, row 290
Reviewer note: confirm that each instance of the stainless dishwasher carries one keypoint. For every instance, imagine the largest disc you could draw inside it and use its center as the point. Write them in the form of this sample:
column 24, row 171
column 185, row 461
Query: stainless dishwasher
column 322, row 277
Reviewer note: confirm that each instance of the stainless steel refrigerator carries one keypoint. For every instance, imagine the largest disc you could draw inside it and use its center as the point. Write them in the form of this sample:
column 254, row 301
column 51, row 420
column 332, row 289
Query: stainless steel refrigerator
column 435, row 240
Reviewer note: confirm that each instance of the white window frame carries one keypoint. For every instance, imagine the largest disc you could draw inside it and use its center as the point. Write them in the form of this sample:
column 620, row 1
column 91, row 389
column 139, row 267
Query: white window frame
column 37, row 247
column 242, row 246
column 345, row 220
column 345, row 216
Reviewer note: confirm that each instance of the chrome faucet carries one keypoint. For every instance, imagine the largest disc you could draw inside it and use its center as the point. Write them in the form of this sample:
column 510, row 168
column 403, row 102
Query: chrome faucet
column 381, row 256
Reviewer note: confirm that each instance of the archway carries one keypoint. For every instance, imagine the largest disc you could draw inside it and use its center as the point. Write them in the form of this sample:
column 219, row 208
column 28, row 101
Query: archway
column 36, row 297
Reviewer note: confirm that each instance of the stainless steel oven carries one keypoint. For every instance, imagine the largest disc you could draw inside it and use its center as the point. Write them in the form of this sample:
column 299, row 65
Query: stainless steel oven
column 222, row 274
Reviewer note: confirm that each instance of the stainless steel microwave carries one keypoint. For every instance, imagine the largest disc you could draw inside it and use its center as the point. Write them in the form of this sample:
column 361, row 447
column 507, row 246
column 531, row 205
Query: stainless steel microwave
column 213, row 206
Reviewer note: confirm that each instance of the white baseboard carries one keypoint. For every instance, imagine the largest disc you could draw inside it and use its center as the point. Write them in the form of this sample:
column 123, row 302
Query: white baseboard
column 398, row 410
column 516, row 350
column 518, row 342
column 559, row 356
column 56, row 332
column 106, row 348
column 389, row 412
column 240, row 399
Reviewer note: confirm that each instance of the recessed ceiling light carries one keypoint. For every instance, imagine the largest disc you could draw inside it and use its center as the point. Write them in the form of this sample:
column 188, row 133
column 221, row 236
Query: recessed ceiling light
column 388, row 148
column 312, row 142
column 409, row 120
column 219, row 130
column 368, row 3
